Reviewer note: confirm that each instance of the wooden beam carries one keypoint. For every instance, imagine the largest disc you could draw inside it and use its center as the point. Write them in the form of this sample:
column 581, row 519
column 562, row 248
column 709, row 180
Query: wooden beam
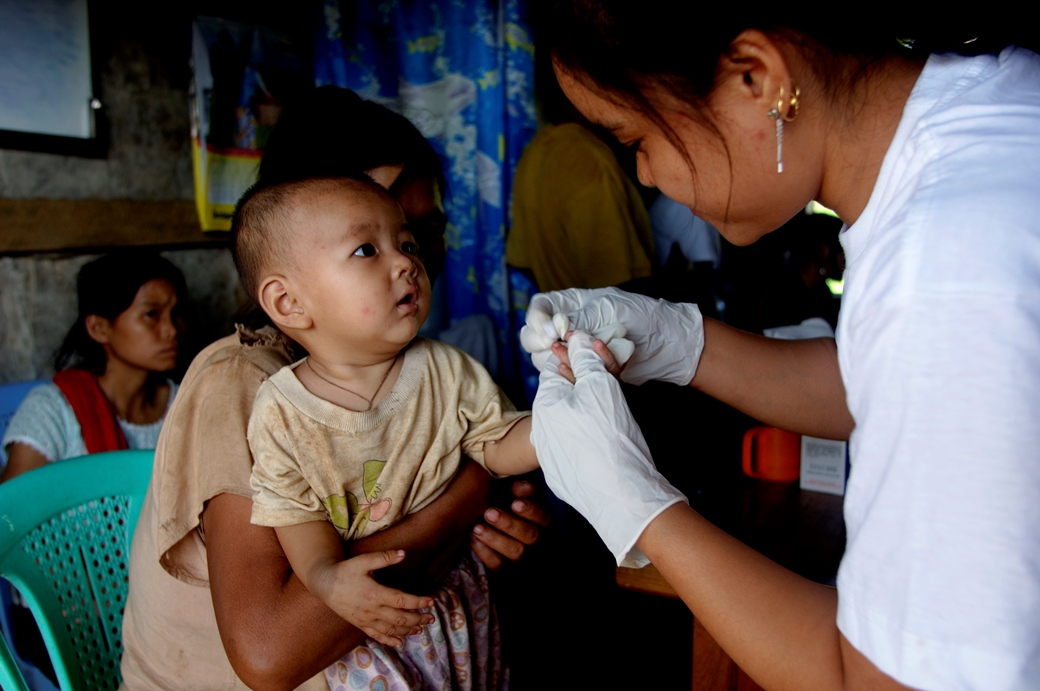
column 61, row 225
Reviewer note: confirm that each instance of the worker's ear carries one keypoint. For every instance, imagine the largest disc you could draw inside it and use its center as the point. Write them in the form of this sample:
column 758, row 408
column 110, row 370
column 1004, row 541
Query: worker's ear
column 754, row 71
column 278, row 299
column 98, row 328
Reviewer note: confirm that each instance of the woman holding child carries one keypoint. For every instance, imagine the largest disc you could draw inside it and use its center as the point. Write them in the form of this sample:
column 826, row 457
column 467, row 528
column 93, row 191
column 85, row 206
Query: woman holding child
column 214, row 602
column 745, row 114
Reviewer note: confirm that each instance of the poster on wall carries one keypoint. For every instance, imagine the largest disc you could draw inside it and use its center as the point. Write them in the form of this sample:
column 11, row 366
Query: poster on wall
column 241, row 77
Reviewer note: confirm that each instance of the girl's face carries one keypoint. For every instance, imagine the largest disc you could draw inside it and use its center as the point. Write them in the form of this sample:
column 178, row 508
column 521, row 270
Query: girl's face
column 147, row 334
column 732, row 183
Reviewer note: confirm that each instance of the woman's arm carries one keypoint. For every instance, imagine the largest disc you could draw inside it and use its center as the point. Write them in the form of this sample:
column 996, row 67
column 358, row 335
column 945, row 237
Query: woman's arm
column 275, row 633
column 794, row 385
column 21, row 458
column 778, row 627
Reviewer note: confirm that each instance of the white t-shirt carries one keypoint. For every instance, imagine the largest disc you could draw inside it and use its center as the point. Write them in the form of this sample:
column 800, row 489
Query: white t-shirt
column 939, row 347
column 45, row 422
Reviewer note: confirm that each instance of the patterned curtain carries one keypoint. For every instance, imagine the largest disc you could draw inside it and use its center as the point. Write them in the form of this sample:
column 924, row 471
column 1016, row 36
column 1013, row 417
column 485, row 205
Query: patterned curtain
column 463, row 73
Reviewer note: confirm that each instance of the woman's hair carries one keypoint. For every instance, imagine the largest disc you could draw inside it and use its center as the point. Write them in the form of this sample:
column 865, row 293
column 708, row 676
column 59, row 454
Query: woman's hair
column 107, row 287
column 332, row 132
column 627, row 49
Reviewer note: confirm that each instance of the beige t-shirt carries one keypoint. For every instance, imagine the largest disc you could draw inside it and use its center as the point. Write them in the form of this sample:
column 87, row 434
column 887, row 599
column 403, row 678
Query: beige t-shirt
column 170, row 635
column 365, row 471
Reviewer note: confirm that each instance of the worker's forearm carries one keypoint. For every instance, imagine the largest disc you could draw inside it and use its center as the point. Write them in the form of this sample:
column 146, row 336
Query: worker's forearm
column 777, row 626
column 794, row 385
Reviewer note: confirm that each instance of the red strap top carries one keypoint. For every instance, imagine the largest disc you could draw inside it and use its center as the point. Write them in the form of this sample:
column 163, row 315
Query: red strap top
column 97, row 419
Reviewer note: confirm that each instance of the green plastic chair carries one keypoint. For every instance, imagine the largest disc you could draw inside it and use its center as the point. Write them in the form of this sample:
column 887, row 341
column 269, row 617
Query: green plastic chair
column 65, row 532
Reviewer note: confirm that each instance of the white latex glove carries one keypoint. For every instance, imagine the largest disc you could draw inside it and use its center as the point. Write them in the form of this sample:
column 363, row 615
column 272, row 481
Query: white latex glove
column 593, row 453
column 668, row 337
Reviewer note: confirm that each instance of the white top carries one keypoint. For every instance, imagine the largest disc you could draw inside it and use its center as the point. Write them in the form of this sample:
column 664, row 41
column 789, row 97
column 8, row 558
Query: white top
column 939, row 347
column 45, row 422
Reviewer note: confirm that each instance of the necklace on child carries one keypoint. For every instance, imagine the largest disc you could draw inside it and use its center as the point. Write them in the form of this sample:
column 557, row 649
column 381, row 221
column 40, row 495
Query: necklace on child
column 355, row 393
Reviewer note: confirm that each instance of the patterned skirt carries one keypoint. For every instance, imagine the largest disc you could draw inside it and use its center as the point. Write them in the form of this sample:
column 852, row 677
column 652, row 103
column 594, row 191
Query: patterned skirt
column 461, row 649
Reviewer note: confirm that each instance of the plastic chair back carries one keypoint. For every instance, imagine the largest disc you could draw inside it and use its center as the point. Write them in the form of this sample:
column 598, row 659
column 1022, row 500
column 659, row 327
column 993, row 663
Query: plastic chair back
column 65, row 532
column 11, row 396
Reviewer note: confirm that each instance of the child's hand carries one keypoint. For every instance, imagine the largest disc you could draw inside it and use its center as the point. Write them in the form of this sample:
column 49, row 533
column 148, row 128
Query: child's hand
column 612, row 363
column 381, row 612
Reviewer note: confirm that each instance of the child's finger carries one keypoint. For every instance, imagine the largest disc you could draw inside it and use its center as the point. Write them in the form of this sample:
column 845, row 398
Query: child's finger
column 384, row 638
column 609, row 361
column 392, row 599
column 393, row 634
column 403, row 618
column 376, row 560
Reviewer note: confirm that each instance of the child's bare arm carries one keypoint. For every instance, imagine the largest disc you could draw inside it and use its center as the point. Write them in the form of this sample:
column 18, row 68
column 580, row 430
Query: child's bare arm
column 347, row 586
column 513, row 454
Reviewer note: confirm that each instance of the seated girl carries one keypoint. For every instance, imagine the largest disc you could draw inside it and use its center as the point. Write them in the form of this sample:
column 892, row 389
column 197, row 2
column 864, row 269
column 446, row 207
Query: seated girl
column 109, row 392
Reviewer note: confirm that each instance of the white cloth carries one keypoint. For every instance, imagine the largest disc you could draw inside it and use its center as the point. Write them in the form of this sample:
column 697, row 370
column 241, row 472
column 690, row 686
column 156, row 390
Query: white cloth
column 813, row 327
column 45, row 422
column 674, row 223
column 939, row 348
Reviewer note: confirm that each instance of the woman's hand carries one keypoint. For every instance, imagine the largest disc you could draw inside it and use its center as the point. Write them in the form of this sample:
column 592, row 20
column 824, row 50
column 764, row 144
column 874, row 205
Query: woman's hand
column 668, row 337
column 506, row 534
column 593, row 454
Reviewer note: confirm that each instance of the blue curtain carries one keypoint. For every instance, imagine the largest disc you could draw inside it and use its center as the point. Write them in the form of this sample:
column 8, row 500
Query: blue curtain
column 462, row 71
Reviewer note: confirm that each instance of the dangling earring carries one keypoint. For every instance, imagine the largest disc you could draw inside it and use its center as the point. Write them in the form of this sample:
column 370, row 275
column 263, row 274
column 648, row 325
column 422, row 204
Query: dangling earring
column 780, row 117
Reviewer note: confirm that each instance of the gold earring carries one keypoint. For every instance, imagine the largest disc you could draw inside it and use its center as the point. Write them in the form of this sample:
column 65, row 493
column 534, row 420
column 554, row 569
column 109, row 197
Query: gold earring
column 792, row 104
column 781, row 117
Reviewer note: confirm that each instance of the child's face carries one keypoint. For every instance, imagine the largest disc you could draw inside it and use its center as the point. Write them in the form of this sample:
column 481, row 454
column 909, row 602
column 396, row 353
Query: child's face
column 359, row 273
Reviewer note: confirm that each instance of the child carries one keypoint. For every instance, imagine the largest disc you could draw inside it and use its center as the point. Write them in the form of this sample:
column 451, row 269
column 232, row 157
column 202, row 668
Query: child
column 370, row 426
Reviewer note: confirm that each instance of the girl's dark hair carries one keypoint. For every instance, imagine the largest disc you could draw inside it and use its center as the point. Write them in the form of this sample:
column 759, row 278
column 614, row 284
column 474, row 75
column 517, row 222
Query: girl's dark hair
column 332, row 132
column 106, row 287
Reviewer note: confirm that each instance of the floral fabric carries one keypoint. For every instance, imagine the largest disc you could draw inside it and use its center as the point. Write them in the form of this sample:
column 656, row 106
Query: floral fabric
column 462, row 72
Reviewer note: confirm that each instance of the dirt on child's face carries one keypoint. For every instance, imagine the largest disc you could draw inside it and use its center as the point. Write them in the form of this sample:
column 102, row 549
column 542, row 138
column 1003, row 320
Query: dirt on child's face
column 362, row 278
